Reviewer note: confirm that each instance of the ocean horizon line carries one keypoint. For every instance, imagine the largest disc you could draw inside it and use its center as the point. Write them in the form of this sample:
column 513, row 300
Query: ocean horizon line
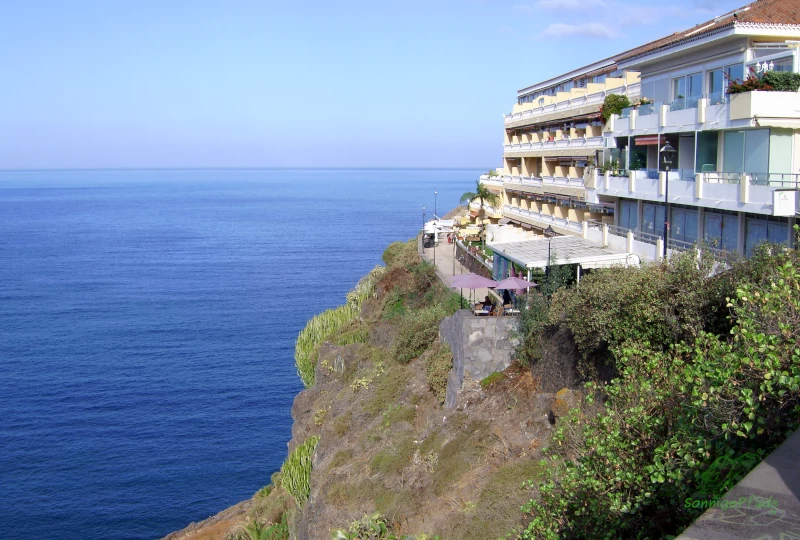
column 100, row 169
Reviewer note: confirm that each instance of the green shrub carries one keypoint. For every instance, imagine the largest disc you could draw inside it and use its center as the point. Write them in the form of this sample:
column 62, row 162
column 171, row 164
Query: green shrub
column 531, row 323
column 495, row 377
column 437, row 369
column 401, row 254
column 296, row 471
column 750, row 83
column 417, row 331
column 680, row 421
column 783, row 81
column 613, row 104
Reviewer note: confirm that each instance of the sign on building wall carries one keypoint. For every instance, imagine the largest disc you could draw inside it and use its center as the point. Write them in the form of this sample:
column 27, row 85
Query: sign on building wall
column 784, row 202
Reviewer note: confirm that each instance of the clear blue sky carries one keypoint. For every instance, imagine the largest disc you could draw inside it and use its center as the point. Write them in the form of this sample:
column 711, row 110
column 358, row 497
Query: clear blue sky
column 234, row 83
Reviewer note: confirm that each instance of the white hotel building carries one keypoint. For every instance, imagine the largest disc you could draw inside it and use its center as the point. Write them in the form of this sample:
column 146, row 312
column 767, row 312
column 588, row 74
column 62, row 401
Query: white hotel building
column 733, row 179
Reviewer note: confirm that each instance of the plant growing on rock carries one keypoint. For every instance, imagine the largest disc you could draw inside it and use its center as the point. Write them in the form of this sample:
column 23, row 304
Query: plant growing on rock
column 296, row 471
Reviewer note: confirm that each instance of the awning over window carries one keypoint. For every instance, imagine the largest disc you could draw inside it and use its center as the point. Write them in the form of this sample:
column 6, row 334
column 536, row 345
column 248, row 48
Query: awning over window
column 649, row 139
column 504, row 221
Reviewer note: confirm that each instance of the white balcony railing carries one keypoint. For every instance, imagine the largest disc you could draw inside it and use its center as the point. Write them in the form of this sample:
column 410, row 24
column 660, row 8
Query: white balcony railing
column 544, row 219
column 560, row 144
column 535, row 181
column 492, row 180
column 579, row 101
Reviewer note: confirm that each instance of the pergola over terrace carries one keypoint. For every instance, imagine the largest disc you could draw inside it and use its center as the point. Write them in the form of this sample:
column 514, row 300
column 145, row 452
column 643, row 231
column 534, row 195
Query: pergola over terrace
column 565, row 250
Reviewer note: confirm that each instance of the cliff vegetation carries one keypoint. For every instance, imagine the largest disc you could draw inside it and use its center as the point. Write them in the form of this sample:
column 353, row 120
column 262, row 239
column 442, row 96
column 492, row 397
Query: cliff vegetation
column 631, row 392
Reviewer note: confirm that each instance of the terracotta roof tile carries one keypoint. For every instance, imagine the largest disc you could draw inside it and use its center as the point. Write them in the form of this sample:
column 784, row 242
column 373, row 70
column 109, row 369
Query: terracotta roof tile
column 759, row 12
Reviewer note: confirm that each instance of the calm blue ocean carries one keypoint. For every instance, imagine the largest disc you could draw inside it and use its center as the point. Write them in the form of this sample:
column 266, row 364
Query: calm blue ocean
column 147, row 328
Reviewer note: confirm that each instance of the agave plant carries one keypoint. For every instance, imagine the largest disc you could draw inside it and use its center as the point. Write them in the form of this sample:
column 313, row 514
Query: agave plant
column 325, row 324
column 296, row 471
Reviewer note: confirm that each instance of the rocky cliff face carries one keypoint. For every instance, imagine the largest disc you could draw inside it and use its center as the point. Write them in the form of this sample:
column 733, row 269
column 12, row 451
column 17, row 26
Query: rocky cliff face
column 386, row 443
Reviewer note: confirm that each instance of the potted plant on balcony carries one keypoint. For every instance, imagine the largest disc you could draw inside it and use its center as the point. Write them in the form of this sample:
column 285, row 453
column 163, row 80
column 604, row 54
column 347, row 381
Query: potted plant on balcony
column 771, row 81
column 613, row 104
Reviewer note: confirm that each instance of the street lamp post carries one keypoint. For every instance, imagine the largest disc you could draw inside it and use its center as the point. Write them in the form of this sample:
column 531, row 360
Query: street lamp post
column 667, row 151
column 435, row 231
column 423, row 229
column 549, row 233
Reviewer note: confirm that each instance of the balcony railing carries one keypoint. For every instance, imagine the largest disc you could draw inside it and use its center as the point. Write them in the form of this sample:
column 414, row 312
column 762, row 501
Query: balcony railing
column 567, row 181
column 716, row 98
column 684, row 102
column 579, row 101
column 783, row 180
column 491, row 180
column 648, row 108
column 559, row 144
column 546, row 219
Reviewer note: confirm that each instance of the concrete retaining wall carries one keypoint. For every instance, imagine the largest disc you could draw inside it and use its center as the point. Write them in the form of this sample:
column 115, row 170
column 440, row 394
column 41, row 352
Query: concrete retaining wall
column 480, row 345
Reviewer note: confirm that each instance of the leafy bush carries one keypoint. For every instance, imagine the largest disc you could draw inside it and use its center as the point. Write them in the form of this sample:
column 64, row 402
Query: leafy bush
column 296, row 471
column 771, row 81
column 783, row 81
column 417, row 332
column 401, row 254
column 750, row 83
column 437, row 368
column 613, row 104
column 682, row 421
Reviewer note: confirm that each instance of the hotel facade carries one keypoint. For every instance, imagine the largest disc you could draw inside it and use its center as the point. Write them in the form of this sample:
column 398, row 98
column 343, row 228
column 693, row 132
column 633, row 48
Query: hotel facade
column 732, row 181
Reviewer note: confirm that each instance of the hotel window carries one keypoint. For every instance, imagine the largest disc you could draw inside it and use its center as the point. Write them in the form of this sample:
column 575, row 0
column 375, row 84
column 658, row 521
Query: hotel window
column 686, row 91
column 734, row 72
column 716, row 87
column 683, row 225
column 628, row 215
column 784, row 64
column 653, row 219
column 721, row 230
column 746, row 151
column 762, row 230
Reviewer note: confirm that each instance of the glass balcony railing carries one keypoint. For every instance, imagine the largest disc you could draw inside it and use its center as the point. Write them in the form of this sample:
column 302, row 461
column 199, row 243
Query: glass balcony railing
column 717, row 98
column 684, row 102
column 648, row 109
column 626, row 112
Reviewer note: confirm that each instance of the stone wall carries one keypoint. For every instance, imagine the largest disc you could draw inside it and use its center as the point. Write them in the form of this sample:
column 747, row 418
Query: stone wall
column 480, row 345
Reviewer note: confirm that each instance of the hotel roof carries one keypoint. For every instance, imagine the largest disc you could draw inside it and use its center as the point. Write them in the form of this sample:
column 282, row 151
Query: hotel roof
column 566, row 250
column 760, row 13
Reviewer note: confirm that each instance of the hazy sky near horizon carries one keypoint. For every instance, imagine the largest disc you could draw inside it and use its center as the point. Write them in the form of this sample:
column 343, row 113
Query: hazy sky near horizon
column 294, row 84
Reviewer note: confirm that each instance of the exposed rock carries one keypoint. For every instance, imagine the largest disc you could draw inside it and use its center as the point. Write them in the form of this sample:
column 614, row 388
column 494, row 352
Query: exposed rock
column 565, row 401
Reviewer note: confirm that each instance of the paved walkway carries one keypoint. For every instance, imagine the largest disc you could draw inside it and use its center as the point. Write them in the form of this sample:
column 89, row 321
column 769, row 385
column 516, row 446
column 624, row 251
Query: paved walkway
column 447, row 267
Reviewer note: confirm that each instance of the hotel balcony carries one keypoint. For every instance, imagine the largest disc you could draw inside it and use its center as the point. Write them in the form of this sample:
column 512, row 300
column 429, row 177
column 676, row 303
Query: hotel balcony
column 492, row 181
column 576, row 102
column 559, row 185
column 563, row 147
column 717, row 111
column 755, row 193
column 542, row 221
column 489, row 211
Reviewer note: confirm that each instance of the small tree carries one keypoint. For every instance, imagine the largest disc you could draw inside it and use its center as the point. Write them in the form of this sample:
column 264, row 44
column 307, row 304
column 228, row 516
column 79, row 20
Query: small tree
column 613, row 104
column 483, row 195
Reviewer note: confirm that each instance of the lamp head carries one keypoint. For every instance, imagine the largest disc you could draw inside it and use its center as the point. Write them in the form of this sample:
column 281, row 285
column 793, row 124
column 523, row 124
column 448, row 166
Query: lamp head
column 667, row 151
